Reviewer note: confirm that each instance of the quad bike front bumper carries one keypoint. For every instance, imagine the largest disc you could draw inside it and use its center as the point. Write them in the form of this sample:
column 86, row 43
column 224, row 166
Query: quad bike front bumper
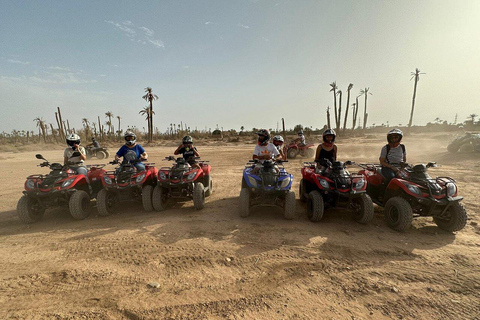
column 434, row 207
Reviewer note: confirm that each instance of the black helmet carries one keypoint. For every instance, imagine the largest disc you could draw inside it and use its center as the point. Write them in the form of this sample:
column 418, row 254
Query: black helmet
column 187, row 139
column 72, row 139
column 394, row 132
column 263, row 136
column 329, row 132
column 130, row 138
column 93, row 139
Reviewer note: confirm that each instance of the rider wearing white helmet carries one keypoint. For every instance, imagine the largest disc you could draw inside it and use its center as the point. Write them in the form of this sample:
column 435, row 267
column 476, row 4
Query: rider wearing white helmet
column 278, row 143
column 301, row 139
column 74, row 154
column 132, row 148
column 392, row 154
column 328, row 149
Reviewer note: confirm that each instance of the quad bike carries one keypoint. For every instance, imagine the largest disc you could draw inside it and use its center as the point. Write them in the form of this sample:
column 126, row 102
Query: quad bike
column 183, row 182
column 100, row 153
column 413, row 191
column 125, row 183
column 294, row 149
column 62, row 186
column 333, row 186
column 269, row 186
column 466, row 143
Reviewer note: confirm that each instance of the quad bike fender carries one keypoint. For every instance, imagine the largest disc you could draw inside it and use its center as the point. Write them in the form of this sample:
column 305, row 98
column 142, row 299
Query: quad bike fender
column 95, row 174
column 372, row 177
column 398, row 184
column 206, row 169
column 292, row 146
column 310, row 145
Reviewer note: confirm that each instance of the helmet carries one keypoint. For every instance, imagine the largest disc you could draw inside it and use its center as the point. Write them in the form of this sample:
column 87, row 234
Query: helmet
column 187, row 139
column 93, row 139
column 278, row 139
column 263, row 136
column 130, row 138
column 72, row 139
column 394, row 132
column 300, row 133
column 329, row 132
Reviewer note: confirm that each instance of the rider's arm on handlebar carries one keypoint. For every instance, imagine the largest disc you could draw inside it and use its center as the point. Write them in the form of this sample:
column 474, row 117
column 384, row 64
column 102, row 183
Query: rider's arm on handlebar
column 144, row 156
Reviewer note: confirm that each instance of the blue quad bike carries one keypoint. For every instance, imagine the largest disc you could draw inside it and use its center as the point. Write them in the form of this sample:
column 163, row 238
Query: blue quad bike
column 269, row 186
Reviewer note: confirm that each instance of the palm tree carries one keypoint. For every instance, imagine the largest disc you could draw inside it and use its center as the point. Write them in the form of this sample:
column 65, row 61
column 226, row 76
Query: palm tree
column 350, row 86
column 339, row 119
column 354, row 114
column 328, row 117
column 365, row 115
column 334, row 89
column 41, row 126
column 86, row 125
column 415, row 75
column 472, row 117
column 109, row 115
column 149, row 97
column 146, row 112
column 119, row 130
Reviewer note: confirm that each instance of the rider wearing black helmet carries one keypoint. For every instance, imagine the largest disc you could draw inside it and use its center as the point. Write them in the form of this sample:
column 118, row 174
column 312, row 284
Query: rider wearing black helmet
column 132, row 147
column 392, row 154
column 328, row 149
column 188, row 151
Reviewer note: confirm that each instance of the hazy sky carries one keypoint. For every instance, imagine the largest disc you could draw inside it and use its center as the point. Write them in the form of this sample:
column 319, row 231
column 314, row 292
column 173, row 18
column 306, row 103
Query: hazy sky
column 236, row 63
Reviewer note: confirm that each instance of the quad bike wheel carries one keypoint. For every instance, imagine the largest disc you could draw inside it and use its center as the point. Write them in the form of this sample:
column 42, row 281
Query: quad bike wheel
column 105, row 202
column 244, row 183
column 310, row 153
column 147, row 192
column 315, row 206
column 398, row 214
column 107, row 154
column 457, row 218
column 29, row 210
column 159, row 198
column 101, row 155
column 79, row 205
column 291, row 153
column 209, row 183
column 289, row 210
column 199, row 196
column 244, row 203
column 302, row 190
column 362, row 209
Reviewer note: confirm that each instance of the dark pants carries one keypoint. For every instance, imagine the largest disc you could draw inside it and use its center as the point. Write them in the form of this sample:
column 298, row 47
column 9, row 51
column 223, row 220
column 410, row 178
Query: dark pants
column 388, row 173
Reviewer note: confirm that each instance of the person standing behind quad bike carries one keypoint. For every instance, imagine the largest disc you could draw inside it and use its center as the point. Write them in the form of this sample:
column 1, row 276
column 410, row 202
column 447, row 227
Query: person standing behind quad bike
column 278, row 143
column 74, row 155
column 392, row 154
column 188, row 151
column 131, row 145
column 328, row 149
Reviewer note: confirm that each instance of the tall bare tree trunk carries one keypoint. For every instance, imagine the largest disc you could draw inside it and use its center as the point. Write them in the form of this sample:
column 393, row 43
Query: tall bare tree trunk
column 365, row 115
column 350, row 86
column 61, row 123
column 328, row 118
column 339, row 120
column 53, row 133
column 413, row 99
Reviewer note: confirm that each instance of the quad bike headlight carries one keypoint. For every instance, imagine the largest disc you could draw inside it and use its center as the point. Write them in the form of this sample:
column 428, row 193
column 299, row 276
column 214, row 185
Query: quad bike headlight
column 451, row 189
column 107, row 179
column 140, row 178
column 30, row 184
column 414, row 189
column 162, row 176
column 324, row 183
column 360, row 184
column 285, row 182
column 191, row 175
column 252, row 181
column 67, row 183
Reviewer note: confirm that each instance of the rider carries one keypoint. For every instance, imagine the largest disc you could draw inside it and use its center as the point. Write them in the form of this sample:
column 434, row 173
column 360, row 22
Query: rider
column 278, row 143
column 392, row 154
column 188, row 151
column 328, row 149
column 94, row 144
column 301, row 139
column 264, row 150
column 74, row 155
column 131, row 145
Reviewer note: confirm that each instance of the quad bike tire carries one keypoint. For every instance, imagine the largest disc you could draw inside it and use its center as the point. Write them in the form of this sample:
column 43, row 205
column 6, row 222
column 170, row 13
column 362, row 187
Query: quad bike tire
column 199, row 196
column 244, row 183
column 29, row 210
column 147, row 193
column 364, row 213
column 244, row 203
column 315, row 206
column 398, row 214
column 105, row 203
column 310, row 153
column 457, row 220
column 159, row 199
column 101, row 155
column 289, row 210
column 209, row 183
column 302, row 190
column 79, row 205
column 107, row 154
column 453, row 147
column 291, row 153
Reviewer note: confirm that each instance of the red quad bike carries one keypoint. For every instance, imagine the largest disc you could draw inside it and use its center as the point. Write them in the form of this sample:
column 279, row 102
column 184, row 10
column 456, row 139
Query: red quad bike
column 182, row 182
column 334, row 187
column 62, row 186
column 413, row 191
column 127, row 184
column 293, row 150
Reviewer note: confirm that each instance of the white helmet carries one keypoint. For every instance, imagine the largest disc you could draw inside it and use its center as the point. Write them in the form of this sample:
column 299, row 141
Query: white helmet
column 278, row 139
column 393, row 132
column 130, row 138
column 72, row 139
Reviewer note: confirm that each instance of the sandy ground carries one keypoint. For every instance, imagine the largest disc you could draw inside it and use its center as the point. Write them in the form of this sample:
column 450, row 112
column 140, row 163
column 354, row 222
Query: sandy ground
column 212, row 264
